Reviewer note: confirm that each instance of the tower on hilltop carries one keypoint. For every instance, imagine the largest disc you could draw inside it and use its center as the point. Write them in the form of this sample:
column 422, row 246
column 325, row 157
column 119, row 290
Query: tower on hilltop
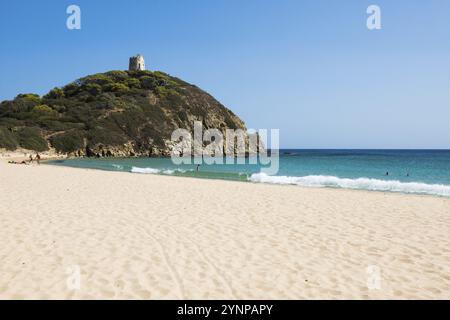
column 137, row 63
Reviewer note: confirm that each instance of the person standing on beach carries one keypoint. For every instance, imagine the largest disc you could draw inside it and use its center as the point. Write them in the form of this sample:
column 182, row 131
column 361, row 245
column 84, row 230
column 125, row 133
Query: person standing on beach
column 31, row 158
column 38, row 158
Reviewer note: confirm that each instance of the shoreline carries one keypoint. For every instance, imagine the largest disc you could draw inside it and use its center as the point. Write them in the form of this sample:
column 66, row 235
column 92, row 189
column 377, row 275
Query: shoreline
column 154, row 237
column 51, row 155
column 267, row 183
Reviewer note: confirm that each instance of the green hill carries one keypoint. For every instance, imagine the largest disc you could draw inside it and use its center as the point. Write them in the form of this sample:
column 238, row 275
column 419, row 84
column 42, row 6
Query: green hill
column 117, row 113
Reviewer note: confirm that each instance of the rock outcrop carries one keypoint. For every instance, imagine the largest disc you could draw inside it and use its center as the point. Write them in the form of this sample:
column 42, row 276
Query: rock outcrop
column 112, row 114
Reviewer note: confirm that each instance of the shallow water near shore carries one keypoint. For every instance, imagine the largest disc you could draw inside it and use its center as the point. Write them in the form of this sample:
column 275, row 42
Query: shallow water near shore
column 406, row 171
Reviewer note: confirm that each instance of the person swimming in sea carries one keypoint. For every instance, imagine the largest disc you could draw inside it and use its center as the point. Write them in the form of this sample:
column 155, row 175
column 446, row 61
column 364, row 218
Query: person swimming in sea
column 387, row 173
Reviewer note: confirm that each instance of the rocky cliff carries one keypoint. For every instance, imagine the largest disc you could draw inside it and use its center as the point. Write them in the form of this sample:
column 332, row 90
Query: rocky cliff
column 117, row 113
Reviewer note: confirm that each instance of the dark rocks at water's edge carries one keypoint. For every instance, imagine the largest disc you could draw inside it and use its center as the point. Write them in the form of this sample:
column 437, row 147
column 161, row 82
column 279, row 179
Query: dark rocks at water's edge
column 112, row 114
column 125, row 151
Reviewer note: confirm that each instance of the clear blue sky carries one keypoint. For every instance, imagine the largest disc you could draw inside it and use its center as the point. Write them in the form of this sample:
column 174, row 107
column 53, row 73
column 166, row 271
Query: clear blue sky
column 310, row 68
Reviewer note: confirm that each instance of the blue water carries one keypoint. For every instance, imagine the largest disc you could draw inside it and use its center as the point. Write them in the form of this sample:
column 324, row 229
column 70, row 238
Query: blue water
column 409, row 171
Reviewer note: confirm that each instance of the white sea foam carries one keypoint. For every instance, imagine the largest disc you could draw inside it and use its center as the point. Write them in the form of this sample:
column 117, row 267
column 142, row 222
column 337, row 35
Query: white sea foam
column 117, row 166
column 144, row 170
column 360, row 183
column 155, row 171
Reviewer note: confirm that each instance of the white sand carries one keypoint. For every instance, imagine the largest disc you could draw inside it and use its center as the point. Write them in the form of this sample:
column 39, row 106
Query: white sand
column 149, row 236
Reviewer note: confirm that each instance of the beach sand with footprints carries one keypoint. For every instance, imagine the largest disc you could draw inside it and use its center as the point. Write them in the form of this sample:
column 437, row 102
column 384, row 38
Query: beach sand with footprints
column 70, row 233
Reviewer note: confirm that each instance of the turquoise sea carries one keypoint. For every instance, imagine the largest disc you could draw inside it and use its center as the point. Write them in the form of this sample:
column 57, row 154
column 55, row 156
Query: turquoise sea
column 406, row 171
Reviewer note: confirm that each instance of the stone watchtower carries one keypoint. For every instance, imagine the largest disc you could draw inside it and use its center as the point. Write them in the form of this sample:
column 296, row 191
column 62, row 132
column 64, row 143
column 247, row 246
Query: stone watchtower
column 137, row 63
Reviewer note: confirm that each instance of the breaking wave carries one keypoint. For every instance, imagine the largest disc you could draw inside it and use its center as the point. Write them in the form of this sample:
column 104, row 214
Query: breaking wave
column 359, row 183
column 327, row 181
column 156, row 171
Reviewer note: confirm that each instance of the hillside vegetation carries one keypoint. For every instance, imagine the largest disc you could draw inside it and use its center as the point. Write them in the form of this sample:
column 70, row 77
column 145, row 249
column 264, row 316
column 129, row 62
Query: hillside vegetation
column 117, row 113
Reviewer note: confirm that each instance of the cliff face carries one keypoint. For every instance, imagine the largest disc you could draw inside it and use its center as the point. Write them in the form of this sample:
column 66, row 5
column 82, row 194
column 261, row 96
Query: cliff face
column 117, row 113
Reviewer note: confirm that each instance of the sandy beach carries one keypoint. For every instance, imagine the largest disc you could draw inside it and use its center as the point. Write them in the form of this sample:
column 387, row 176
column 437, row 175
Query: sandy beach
column 138, row 236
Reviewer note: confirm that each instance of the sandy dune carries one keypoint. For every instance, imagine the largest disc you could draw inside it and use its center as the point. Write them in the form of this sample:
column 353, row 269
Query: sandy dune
column 155, row 237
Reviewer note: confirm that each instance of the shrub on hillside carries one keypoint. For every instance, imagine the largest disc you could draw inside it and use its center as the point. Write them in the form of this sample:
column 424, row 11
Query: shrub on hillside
column 7, row 139
column 55, row 93
column 31, row 138
column 70, row 141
